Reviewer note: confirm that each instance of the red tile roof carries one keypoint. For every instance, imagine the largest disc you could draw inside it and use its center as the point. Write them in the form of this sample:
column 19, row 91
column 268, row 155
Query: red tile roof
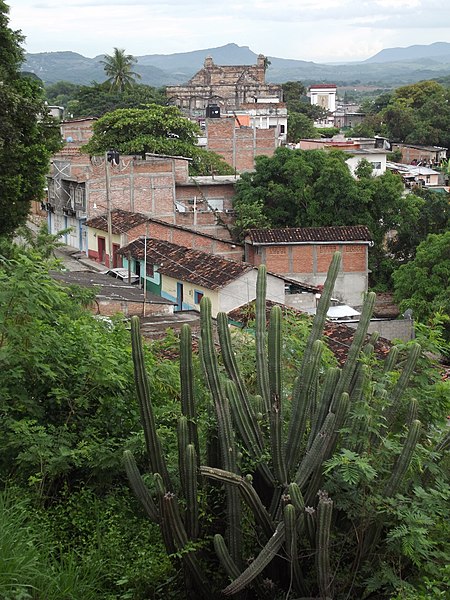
column 207, row 270
column 297, row 235
column 337, row 336
column 122, row 221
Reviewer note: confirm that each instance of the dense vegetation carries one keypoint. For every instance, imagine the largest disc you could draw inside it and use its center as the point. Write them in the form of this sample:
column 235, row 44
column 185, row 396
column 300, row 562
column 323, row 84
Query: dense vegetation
column 68, row 409
column 415, row 114
column 27, row 136
column 155, row 129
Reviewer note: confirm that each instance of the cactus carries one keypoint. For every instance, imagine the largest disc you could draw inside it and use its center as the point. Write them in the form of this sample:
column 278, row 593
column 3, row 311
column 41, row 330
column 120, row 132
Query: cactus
column 289, row 517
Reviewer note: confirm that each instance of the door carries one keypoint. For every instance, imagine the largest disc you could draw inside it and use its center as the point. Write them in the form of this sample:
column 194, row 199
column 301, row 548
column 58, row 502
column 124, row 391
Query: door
column 117, row 260
column 179, row 305
column 101, row 249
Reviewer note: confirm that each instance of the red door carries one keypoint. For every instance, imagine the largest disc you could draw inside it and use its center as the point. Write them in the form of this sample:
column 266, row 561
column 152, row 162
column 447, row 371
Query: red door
column 117, row 260
column 101, row 248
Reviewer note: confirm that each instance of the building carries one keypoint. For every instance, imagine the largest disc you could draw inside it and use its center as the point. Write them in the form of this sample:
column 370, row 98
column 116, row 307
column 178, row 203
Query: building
column 184, row 276
column 81, row 187
column 428, row 156
column 127, row 226
column 324, row 95
column 224, row 89
column 304, row 255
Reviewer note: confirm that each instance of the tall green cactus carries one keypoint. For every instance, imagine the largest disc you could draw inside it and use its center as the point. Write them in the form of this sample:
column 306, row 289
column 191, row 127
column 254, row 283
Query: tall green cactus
column 279, row 502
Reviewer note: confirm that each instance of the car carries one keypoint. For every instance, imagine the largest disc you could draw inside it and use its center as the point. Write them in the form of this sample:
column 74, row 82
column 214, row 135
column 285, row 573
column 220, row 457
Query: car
column 123, row 275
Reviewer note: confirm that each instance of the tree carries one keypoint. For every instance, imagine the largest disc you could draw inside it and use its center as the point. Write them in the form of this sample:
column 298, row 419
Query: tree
column 423, row 284
column 118, row 67
column 27, row 135
column 155, row 129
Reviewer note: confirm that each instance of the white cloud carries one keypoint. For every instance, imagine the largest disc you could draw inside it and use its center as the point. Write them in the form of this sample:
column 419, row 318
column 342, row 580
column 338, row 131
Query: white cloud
column 319, row 30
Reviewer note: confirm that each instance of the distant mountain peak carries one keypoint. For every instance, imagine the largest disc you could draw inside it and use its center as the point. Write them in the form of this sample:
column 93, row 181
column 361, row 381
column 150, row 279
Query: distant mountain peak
column 437, row 49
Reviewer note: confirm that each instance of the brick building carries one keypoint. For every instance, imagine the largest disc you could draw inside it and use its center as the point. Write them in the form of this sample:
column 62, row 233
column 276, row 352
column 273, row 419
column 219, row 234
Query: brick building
column 81, row 187
column 127, row 226
column 304, row 254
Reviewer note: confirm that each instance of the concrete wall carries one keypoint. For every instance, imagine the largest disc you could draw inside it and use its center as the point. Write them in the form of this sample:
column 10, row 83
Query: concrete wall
column 304, row 301
column 109, row 308
column 243, row 290
column 401, row 329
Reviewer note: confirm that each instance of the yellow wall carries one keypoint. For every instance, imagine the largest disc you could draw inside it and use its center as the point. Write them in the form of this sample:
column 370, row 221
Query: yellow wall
column 169, row 290
column 92, row 239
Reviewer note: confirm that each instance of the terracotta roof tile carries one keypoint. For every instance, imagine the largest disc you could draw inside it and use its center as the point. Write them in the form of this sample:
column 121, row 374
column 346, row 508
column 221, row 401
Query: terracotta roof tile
column 295, row 235
column 337, row 336
column 122, row 221
column 207, row 270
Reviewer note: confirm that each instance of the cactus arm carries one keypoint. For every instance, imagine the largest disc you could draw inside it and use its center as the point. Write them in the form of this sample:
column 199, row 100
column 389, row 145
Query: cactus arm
column 181, row 540
column 290, row 525
column 276, row 414
column 228, row 564
column 314, row 456
column 248, row 494
column 225, row 429
column 329, row 385
column 400, row 386
column 262, row 370
column 138, row 486
column 391, row 360
column 154, row 450
column 192, row 512
column 246, row 431
column 404, row 460
column 183, row 440
column 232, row 369
column 266, row 555
column 324, row 512
column 188, row 407
column 355, row 348
column 166, row 531
column 301, row 405
column 412, row 412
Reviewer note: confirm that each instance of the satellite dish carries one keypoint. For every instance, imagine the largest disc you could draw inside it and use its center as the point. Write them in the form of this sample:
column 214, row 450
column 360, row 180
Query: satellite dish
column 69, row 139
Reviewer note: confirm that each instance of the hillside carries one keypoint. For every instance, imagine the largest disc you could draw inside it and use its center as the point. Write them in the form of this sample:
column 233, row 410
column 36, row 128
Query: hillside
column 393, row 66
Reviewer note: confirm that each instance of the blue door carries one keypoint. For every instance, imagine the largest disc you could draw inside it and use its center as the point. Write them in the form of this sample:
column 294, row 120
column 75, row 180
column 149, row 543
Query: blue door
column 179, row 305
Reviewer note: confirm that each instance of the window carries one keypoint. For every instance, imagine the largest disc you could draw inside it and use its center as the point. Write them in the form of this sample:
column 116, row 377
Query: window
column 376, row 166
column 197, row 296
column 149, row 270
column 282, row 129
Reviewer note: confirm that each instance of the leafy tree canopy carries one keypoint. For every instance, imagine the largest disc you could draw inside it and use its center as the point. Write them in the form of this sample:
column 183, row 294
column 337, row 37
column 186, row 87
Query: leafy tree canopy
column 27, row 135
column 423, row 284
column 154, row 129
column 418, row 113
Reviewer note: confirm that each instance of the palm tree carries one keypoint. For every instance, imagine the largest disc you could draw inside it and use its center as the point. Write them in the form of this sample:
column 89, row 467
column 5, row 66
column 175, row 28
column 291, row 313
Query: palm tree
column 118, row 67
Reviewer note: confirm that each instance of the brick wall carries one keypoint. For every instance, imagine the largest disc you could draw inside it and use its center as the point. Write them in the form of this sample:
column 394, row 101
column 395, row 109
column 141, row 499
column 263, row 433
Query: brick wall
column 239, row 145
column 190, row 239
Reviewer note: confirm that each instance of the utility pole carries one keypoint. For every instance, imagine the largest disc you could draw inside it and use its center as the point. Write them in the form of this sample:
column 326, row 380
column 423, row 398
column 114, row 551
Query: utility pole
column 112, row 156
column 145, row 268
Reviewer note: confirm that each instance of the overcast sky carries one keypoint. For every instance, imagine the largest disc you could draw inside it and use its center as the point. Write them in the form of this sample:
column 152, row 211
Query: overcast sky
column 316, row 30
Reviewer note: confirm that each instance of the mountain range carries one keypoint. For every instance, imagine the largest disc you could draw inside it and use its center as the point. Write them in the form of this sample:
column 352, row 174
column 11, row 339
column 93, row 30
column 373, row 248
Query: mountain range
column 390, row 67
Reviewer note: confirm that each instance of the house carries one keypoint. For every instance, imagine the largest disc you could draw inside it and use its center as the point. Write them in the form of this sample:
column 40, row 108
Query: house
column 217, row 89
column 114, row 296
column 415, row 175
column 414, row 154
column 81, row 187
column 127, row 226
column 356, row 148
column 184, row 276
column 324, row 95
column 304, row 254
